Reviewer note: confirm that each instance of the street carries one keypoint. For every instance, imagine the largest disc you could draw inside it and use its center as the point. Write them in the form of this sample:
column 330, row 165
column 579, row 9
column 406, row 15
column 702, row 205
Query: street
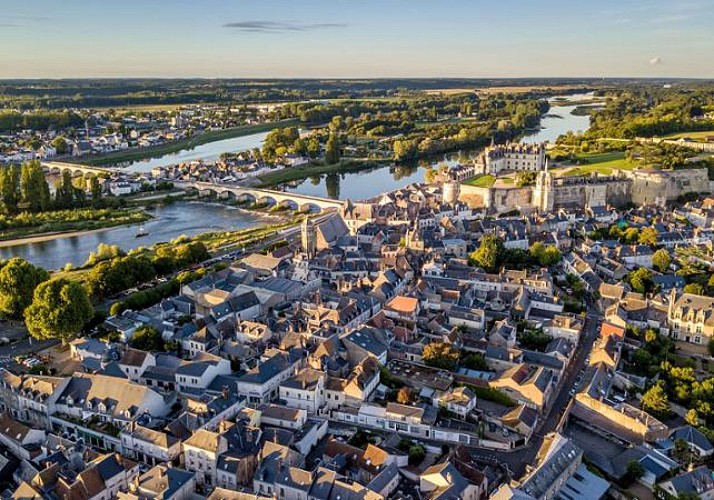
column 516, row 460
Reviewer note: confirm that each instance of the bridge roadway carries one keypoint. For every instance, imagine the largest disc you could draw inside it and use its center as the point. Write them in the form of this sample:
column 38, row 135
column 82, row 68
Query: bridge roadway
column 294, row 200
column 301, row 201
column 57, row 167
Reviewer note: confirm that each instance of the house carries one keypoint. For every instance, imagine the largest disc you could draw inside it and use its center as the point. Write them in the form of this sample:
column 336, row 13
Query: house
column 560, row 473
column 697, row 482
column 690, row 317
column 444, row 481
column 200, row 454
column 162, row 482
column 282, row 416
column 304, row 390
column 527, row 384
column 199, row 372
column 262, row 383
column 151, row 446
column 101, row 479
column 134, row 362
column 696, row 441
column 459, row 400
column 22, row 441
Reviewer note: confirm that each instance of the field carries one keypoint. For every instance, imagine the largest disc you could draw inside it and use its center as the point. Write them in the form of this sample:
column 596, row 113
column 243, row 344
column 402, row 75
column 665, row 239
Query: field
column 602, row 163
column 483, row 180
column 701, row 135
column 181, row 144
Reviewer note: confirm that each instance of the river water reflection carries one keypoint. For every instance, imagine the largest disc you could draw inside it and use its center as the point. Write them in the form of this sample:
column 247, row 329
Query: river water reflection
column 170, row 221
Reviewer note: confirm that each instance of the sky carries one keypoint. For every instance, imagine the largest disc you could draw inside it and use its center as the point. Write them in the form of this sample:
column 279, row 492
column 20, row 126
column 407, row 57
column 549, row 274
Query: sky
column 356, row 38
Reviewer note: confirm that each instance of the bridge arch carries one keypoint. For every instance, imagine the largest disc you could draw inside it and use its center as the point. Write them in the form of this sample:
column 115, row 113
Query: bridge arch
column 310, row 208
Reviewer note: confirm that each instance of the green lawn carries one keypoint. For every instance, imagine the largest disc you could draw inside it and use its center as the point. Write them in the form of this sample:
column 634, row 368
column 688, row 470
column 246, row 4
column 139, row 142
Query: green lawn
column 692, row 135
column 483, row 180
column 603, row 163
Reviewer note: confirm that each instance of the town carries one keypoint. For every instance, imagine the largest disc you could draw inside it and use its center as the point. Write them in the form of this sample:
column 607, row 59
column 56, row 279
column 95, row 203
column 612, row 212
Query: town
column 356, row 250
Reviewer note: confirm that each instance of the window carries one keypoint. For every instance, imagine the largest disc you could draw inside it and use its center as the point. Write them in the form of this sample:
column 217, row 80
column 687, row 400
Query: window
column 697, row 340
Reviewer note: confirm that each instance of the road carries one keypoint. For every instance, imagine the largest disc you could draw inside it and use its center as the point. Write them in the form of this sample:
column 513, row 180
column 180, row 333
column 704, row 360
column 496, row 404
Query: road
column 518, row 459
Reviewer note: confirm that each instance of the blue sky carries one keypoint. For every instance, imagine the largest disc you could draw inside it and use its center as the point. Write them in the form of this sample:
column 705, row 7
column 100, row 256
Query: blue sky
column 357, row 38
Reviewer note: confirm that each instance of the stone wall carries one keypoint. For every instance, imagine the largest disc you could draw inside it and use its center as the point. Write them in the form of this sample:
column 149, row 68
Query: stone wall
column 659, row 186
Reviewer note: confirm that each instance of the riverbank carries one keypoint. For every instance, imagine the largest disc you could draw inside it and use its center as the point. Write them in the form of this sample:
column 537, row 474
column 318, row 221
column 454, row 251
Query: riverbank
column 42, row 227
column 316, row 168
column 137, row 154
column 40, row 238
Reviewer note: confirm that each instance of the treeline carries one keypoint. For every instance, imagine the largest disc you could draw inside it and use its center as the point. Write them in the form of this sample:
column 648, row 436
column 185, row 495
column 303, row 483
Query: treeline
column 652, row 111
column 25, row 189
column 121, row 272
column 505, row 124
column 13, row 121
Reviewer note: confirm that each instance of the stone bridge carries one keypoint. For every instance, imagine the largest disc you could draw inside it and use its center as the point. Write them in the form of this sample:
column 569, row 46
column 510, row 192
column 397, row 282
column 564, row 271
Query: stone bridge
column 295, row 201
column 77, row 169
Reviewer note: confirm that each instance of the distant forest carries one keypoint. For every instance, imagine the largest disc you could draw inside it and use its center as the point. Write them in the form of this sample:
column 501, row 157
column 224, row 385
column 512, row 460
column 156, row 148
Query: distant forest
column 85, row 93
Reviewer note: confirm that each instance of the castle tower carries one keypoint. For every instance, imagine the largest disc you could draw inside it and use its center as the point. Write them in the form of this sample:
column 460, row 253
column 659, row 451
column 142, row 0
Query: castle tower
column 543, row 196
column 452, row 189
column 308, row 237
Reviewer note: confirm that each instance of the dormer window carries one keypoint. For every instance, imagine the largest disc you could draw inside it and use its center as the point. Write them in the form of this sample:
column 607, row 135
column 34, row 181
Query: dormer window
column 70, row 401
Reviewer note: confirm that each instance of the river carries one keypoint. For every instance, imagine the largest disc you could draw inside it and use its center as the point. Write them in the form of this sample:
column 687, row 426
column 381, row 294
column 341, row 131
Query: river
column 192, row 218
column 207, row 152
column 170, row 221
column 370, row 183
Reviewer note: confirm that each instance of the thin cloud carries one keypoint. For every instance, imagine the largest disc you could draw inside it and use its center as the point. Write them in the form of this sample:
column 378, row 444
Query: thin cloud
column 671, row 19
column 279, row 27
column 8, row 25
column 656, row 61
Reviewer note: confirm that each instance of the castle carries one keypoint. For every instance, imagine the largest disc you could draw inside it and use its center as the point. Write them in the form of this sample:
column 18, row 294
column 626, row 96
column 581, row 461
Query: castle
column 640, row 187
column 512, row 156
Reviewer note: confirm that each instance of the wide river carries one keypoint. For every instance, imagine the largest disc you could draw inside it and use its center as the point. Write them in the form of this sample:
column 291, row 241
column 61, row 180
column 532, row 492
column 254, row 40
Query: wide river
column 192, row 218
column 371, row 183
column 170, row 221
column 208, row 152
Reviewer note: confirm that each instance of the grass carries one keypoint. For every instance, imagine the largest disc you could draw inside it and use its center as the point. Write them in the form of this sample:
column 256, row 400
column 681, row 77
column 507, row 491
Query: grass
column 702, row 134
column 602, row 163
column 483, row 180
column 317, row 168
column 181, row 144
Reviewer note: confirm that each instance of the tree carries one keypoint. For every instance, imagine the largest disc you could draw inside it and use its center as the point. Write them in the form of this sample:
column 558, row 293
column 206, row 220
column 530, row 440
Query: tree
column 634, row 472
column 694, row 288
column 60, row 145
column 417, row 454
column 489, row 254
column 631, row 235
column 661, row 260
column 648, row 236
column 60, row 308
column 35, row 192
column 9, row 189
column 332, row 149
column 18, row 280
column 404, row 395
column 692, row 417
column 440, row 355
column 641, row 280
column 147, row 338
column 475, row 361
column 95, row 189
column 655, row 400
column 64, row 195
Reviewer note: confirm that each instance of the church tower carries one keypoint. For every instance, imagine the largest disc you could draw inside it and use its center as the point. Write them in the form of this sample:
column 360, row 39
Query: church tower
column 308, row 237
column 543, row 196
